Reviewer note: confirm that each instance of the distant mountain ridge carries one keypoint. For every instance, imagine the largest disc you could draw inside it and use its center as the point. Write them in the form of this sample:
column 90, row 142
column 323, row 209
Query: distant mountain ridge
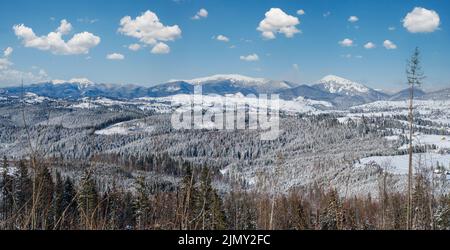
column 334, row 89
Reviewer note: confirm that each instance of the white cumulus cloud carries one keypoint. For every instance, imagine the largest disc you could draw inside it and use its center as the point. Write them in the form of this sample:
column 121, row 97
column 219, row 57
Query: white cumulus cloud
column 369, row 45
column 346, row 42
column 222, row 38
column 202, row 13
column 115, row 56
column 353, row 19
column 80, row 43
column 149, row 30
column 8, row 51
column 161, row 48
column 134, row 47
column 389, row 44
column 250, row 58
column 65, row 27
column 421, row 20
column 300, row 12
column 277, row 21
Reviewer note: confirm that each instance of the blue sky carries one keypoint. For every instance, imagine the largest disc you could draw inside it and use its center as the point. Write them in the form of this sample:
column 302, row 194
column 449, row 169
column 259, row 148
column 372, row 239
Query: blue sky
column 312, row 51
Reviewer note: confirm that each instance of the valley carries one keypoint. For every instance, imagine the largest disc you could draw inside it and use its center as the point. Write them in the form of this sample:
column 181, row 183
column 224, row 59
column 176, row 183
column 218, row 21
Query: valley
column 321, row 143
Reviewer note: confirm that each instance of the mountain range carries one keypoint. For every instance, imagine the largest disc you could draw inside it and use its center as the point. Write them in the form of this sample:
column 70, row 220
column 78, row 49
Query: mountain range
column 337, row 90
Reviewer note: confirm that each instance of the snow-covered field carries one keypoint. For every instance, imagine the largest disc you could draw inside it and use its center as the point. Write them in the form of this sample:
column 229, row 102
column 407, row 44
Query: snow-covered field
column 442, row 142
column 126, row 128
column 437, row 112
column 433, row 110
column 85, row 105
column 31, row 98
column 398, row 164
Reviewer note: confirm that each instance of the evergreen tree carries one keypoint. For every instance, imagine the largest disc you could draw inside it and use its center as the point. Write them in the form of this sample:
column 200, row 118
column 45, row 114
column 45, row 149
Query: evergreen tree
column 421, row 213
column 302, row 221
column 70, row 216
column 442, row 215
column 57, row 203
column 45, row 197
column 330, row 218
column 88, row 201
column 217, row 213
column 126, row 214
column 209, row 204
column 205, row 199
column 7, row 189
column 24, row 192
column 111, row 208
column 415, row 77
column 142, row 203
column 188, row 193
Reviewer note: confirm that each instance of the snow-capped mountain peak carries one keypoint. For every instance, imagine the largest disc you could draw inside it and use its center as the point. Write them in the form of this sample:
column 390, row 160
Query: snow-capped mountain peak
column 81, row 81
column 338, row 85
column 234, row 78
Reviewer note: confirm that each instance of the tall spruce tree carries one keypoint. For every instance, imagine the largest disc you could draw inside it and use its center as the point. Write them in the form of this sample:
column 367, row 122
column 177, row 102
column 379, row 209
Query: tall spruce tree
column 24, row 193
column 70, row 216
column 209, row 203
column 45, row 197
column 330, row 218
column 57, row 202
column 142, row 203
column 442, row 215
column 7, row 189
column 88, row 201
column 415, row 76
column 188, row 196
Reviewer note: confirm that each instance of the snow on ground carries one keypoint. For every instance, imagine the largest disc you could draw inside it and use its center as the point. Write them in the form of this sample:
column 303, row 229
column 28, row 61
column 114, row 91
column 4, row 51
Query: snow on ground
column 161, row 108
column 429, row 107
column 300, row 105
column 442, row 142
column 336, row 84
column 85, row 105
column 11, row 171
column 126, row 128
column 311, row 102
column 108, row 102
column 392, row 138
column 31, row 98
column 398, row 164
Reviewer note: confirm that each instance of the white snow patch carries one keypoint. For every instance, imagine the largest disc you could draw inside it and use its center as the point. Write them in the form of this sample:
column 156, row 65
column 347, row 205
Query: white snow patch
column 85, row 105
column 442, row 142
column 126, row 128
column 398, row 164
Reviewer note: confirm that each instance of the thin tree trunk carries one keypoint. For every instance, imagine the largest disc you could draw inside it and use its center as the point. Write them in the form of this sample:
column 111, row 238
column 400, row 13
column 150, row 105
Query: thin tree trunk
column 410, row 165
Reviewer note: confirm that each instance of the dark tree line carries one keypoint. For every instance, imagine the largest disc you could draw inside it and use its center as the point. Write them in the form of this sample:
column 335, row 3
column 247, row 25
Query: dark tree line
column 40, row 198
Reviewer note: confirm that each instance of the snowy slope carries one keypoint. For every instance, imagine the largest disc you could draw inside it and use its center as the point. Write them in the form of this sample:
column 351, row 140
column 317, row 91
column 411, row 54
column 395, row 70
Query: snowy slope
column 338, row 85
column 398, row 164
column 234, row 78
